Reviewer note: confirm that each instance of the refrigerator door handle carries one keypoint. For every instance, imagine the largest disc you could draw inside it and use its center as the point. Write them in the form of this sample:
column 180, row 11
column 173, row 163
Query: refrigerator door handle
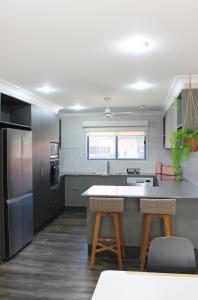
column 22, row 146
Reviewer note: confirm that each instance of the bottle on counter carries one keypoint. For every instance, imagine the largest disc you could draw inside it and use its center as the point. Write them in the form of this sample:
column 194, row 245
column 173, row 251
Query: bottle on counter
column 158, row 168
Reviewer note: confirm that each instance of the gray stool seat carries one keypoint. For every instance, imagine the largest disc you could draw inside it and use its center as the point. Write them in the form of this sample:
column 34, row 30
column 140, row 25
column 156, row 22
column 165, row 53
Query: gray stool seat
column 98, row 204
column 158, row 206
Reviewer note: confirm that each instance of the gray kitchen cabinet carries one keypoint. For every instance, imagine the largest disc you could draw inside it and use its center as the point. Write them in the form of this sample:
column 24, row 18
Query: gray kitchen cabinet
column 190, row 119
column 76, row 185
column 170, row 125
column 103, row 180
column 74, row 188
column 175, row 116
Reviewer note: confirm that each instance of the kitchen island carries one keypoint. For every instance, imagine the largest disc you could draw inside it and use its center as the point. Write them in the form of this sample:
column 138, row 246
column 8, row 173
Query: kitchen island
column 185, row 222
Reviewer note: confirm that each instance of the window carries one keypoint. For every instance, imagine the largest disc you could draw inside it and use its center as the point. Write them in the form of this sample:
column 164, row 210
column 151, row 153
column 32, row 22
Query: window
column 131, row 145
column 116, row 145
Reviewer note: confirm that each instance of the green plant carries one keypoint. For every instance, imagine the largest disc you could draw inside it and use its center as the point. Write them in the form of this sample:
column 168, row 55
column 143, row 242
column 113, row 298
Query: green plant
column 181, row 148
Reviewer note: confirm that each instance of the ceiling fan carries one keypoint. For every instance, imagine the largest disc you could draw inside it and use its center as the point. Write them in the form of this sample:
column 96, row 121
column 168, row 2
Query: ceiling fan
column 109, row 114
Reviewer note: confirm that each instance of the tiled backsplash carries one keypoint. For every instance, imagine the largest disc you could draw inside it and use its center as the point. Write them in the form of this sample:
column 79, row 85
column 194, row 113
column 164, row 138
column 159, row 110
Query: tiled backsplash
column 73, row 152
column 74, row 160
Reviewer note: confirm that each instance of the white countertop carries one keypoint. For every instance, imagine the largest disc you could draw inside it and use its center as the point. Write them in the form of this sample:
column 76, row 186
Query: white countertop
column 169, row 190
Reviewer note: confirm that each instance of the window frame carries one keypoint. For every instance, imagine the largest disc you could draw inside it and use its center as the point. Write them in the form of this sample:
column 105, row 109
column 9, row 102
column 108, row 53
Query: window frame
column 116, row 151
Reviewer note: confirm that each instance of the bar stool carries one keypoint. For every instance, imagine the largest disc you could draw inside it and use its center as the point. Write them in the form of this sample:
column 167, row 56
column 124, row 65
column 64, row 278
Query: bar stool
column 161, row 209
column 112, row 207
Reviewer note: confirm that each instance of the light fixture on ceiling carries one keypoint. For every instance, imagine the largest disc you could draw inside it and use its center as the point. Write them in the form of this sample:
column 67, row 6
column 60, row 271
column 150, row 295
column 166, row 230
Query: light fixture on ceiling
column 108, row 113
column 46, row 89
column 140, row 85
column 77, row 107
column 135, row 45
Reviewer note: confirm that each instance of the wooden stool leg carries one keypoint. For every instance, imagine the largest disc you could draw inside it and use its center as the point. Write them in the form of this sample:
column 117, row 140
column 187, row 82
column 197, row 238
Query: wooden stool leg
column 171, row 225
column 117, row 238
column 121, row 234
column 146, row 235
column 143, row 236
column 95, row 239
column 168, row 225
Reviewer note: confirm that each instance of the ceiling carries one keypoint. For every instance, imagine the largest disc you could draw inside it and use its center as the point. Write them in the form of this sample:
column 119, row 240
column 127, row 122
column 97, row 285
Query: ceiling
column 74, row 46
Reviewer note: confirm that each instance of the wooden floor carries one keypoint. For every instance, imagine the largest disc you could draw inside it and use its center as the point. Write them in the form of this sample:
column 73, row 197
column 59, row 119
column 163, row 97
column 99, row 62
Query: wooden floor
column 55, row 264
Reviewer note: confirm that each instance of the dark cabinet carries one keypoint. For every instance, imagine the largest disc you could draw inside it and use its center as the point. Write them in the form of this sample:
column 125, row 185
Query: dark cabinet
column 14, row 112
column 20, row 219
column 57, row 196
column 47, row 200
column 41, row 164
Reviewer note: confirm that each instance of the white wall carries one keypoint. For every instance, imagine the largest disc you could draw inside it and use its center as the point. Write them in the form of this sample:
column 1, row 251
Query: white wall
column 73, row 152
column 190, row 170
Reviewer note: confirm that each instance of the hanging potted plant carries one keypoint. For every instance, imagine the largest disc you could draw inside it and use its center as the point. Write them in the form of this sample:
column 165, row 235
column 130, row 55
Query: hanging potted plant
column 185, row 140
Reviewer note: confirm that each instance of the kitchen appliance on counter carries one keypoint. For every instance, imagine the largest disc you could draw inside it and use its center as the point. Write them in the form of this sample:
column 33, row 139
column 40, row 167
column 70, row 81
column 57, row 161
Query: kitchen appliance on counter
column 16, row 205
column 54, row 150
column 54, row 172
column 140, row 181
column 133, row 171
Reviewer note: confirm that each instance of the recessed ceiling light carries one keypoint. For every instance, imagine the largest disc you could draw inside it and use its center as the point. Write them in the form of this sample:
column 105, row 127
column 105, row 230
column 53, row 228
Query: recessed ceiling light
column 47, row 89
column 135, row 45
column 77, row 107
column 140, row 85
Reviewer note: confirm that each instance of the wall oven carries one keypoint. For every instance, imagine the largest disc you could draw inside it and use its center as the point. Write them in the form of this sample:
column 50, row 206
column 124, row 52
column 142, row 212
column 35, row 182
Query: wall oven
column 54, row 172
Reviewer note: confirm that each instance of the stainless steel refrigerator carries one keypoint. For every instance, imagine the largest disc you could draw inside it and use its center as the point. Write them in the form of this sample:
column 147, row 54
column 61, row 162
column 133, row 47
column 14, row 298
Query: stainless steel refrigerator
column 16, row 206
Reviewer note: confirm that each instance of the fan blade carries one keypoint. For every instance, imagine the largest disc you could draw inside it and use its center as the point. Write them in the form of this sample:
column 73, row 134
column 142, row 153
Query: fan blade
column 124, row 113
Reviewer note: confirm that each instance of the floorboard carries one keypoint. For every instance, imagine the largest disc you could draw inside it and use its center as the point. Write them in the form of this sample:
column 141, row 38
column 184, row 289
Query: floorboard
column 55, row 265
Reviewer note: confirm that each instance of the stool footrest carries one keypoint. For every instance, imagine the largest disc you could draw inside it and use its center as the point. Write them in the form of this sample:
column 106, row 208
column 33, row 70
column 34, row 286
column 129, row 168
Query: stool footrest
column 106, row 248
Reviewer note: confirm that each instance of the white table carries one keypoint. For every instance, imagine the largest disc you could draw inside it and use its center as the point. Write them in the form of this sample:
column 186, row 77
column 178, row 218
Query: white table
column 121, row 285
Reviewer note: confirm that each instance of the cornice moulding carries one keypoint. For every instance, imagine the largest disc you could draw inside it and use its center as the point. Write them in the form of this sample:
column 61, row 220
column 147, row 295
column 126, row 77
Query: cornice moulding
column 180, row 82
column 21, row 94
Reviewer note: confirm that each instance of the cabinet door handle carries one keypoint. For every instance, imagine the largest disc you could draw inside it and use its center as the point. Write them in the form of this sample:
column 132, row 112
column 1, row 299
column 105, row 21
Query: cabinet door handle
column 42, row 171
column 75, row 188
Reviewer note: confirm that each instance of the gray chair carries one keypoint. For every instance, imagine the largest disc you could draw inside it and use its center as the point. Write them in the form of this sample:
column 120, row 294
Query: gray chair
column 171, row 255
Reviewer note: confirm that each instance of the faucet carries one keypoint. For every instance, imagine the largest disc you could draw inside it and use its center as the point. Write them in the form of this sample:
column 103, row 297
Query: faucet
column 108, row 167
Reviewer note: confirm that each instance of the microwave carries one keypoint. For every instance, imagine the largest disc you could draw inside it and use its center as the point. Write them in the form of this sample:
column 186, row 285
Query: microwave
column 54, row 150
